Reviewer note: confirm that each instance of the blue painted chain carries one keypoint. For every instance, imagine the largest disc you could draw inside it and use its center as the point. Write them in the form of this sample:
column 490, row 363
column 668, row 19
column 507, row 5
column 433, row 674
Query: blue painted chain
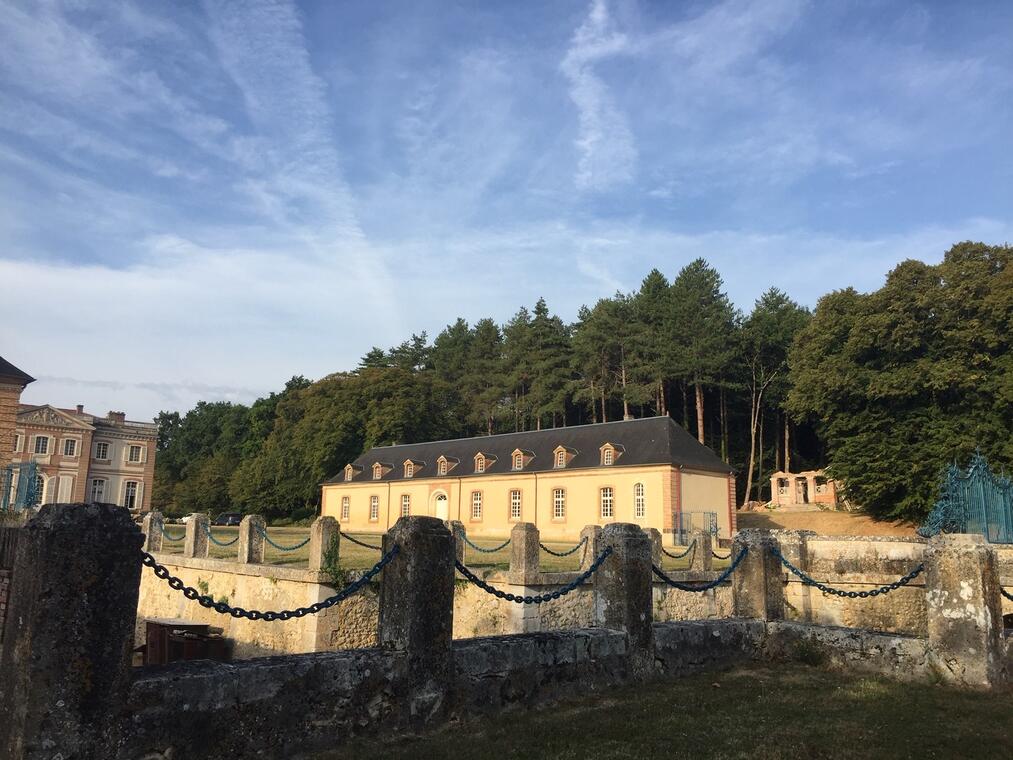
column 689, row 548
column 207, row 529
column 541, row 597
column 715, row 555
column 169, row 536
column 479, row 548
column 1006, row 593
column 360, row 543
column 810, row 581
column 279, row 547
column 207, row 601
column 702, row 586
column 567, row 552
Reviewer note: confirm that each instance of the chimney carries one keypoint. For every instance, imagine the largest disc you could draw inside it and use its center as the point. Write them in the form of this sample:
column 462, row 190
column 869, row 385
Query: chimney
column 118, row 417
column 80, row 408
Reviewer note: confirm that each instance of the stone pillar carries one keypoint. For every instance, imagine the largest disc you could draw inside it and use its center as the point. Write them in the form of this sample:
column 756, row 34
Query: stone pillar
column 623, row 592
column 593, row 535
column 324, row 538
column 417, row 612
column 196, row 542
column 963, row 610
column 65, row 666
column 456, row 528
column 151, row 526
column 702, row 556
column 655, row 535
column 251, row 540
column 758, row 581
column 794, row 546
column 524, row 554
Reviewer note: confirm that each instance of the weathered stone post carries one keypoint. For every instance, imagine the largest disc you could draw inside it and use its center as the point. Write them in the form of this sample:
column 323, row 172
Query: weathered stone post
column 65, row 666
column 196, row 542
column 655, row 535
column 251, row 540
column 593, row 535
column 963, row 610
column 324, row 537
column 794, row 546
column 524, row 554
column 417, row 612
column 758, row 581
column 456, row 528
column 151, row 525
column 623, row 592
column 702, row 556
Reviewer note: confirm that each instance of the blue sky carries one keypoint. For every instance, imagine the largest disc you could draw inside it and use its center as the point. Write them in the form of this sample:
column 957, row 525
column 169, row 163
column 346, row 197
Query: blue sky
column 201, row 200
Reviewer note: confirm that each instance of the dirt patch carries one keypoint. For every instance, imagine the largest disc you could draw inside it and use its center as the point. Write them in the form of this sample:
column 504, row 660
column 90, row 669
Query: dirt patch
column 825, row 523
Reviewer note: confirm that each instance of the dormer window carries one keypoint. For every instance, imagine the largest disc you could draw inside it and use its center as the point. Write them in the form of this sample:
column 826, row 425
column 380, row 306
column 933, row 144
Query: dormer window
column 561, row 456
column 607, row 456
column 351, row 471
column 479, row 463
column 377, row 471
column 519, row 458
column 518, row 461
column 445, row 464
column 441, row 466
column 610, row 452
column 409, row 469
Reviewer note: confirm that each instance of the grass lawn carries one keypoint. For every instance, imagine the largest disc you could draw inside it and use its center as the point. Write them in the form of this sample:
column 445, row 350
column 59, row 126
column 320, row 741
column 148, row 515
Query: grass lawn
column 825, row 523
column 759, row 712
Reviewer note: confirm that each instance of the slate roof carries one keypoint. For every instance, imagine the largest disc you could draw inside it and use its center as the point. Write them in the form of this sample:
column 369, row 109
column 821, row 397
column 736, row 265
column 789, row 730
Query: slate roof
column 9, row 372
column 651, row 440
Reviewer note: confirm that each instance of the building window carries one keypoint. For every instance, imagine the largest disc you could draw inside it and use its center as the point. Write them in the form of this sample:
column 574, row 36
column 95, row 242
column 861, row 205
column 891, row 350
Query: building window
column 348, row 473
column 607, row 456
column 134, row 454
column 41, row 444
column 606, row 503
column 560, row 459
column 480, row 463
column 559, row 504
column 70, row 447
column 130, row 494
column 441, row 467
column 102, row 451
column 515, row 505
column 98, row 491
column 518, row 461
column 476, row 505
column 639, row 501
column 377, row 472
column 406, row 505
column 346, row 507
column 374, row 508
column 409, row 470
column 40, row 487
column 17, row 443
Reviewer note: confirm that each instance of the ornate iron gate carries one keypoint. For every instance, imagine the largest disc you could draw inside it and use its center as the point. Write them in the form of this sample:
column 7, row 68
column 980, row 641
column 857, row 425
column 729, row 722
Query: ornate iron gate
column 19, row 486
column 975, row 501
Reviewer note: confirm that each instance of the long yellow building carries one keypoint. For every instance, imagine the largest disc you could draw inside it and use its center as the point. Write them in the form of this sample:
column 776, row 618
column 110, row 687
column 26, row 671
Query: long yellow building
column 647, row 471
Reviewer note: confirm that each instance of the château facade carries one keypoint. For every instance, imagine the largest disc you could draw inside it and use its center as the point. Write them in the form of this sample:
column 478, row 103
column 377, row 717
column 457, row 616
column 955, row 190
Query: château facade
column 646, row 471
column 84, row 458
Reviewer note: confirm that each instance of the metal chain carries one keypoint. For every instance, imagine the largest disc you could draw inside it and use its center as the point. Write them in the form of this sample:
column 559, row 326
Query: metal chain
column 169, row 536
column 715, row 555
column 541, row 598
column 207, row 529
column 479, row 548
column 810, row 581
column 689, row 548
column 567, row 553
column 703, row 586
column 279, row 547
column 360, row 543
column 207, row 601
column 1006, row 593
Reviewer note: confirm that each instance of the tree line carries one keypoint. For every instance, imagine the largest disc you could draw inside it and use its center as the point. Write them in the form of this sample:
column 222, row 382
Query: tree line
column 864, row 385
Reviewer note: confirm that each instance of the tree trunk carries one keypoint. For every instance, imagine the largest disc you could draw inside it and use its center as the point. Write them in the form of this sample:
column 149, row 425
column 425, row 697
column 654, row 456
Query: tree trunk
column 604, row 414
column 724, row 426
column 699, row 413
column 754, row 404
column 594, row 406
column 622, row 370
column 787, row 445
column 759, row 476
column 685, row 405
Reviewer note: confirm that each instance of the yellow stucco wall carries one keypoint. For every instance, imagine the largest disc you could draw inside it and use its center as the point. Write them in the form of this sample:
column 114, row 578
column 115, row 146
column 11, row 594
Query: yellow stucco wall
column 582, row 488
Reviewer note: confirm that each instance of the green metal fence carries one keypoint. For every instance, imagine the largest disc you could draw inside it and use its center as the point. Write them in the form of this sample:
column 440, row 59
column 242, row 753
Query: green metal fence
column 973, row 501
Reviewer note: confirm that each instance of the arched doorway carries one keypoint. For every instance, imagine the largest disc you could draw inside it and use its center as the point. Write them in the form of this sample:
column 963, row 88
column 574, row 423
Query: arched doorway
column 441, row 506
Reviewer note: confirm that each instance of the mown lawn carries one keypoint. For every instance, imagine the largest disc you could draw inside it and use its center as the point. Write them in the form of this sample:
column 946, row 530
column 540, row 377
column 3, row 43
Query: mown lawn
column 759, row 712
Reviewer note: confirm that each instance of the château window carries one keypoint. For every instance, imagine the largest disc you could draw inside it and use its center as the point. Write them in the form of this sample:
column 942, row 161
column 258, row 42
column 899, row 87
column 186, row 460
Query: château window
column 476, row 505
column 406, row 505
column 639, row 501
column 518, row 461
column 606, row 503
column 98, row 491
column 374, row 508
column 346, row 507
column 102, row 451
column 130, row 494
column 560, row 458
column 409, row 470
column 134, row 454
column 70, row 447
column 607, row 456
column 441, row 467
column 559, row 504
column 17, row 443
column 480, row 463
column 41, row 444
column 515, row 505
column 377, row 471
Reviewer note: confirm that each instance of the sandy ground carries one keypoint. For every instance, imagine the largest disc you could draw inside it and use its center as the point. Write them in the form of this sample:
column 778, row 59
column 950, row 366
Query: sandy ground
column 825, row 523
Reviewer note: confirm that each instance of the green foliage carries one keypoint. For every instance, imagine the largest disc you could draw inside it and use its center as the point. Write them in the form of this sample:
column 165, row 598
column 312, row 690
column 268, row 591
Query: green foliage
column 906, row 379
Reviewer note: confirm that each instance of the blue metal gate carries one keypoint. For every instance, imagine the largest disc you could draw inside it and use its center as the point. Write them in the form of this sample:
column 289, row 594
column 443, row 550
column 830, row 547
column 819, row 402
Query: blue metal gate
column 975, row 501
column 19, row 486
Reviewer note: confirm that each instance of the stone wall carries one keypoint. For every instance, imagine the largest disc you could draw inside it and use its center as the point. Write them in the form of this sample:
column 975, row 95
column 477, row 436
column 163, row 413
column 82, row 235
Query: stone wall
column 5, row 591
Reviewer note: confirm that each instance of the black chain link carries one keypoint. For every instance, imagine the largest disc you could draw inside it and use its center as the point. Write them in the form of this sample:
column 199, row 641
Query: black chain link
column 477, row 548
column 702, row 586
column 1006, row 593
column 360, row 543
column 689, row 548
column 279, row 547
column 567, row 553
column 207, row 529
column 541, row 598
column 169, row 536
column 715, row 555
column 810, row 581
column 208, row 602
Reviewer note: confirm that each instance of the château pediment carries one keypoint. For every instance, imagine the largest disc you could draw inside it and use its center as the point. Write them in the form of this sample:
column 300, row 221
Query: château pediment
column 49, row 415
